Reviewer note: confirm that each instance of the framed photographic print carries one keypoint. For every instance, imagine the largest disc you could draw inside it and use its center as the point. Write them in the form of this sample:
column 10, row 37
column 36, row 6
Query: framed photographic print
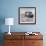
column 27, row 15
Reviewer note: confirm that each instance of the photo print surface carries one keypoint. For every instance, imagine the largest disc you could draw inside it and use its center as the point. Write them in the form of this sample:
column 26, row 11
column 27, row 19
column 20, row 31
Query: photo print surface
column 27, row 15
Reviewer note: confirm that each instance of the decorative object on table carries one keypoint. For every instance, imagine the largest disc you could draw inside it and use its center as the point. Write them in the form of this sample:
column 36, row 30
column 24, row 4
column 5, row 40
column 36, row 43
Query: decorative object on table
column 30, row 33
column 9, row 21
column 27, row 15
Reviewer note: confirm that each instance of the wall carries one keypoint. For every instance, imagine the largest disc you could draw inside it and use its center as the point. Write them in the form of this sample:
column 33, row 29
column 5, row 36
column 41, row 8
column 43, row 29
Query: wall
column 9, row 8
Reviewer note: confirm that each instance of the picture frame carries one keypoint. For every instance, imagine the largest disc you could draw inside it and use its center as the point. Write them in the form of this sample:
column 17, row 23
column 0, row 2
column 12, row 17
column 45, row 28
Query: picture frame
column 27, row 15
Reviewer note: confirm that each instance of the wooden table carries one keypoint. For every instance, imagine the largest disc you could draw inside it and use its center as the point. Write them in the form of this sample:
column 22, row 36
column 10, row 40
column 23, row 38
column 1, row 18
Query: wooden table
column 20, row 39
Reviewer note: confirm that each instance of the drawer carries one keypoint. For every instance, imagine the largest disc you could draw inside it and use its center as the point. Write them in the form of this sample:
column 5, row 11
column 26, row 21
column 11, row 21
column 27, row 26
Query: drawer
column 13, row 43
column 37, row 43
column 28, row 37
column 19, row 37
column 16, row 37
column 9, row 43
column 33, row 43
column 19, row 42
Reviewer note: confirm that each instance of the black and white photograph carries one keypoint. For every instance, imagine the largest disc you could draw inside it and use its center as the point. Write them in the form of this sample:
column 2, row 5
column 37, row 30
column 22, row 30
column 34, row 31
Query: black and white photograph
column 27, row 15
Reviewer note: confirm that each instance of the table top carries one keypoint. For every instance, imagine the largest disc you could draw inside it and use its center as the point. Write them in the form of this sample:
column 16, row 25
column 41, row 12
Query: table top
column 22, row 33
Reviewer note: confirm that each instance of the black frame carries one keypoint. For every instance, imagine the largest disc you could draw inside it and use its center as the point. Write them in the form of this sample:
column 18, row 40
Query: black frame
column 19, row 15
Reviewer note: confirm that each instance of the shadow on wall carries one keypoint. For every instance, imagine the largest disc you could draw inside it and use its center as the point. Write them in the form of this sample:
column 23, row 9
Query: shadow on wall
column 2, row 21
